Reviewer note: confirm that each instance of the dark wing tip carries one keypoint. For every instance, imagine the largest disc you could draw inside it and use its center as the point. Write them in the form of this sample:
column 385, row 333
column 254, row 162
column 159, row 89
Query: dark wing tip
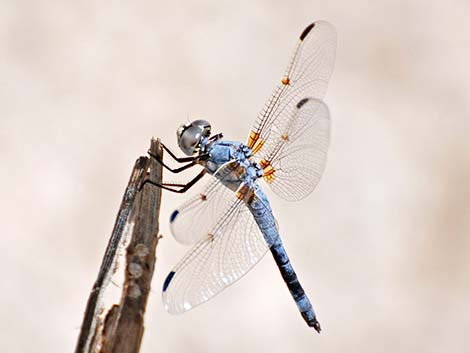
column 168, row 280
column 173, row 215
column 307, row 31
column 302, row 102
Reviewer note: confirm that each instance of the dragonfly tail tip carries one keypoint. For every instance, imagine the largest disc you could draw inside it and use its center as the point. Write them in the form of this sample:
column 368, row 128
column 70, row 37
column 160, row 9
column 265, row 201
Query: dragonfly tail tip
column 316, row 326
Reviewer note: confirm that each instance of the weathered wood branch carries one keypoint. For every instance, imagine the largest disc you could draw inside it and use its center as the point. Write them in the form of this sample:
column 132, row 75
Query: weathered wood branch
column 122, row 327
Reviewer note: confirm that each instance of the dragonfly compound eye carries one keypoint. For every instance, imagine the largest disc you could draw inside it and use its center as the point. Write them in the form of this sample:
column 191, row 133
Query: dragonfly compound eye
column 204, row 125
column 190, row 135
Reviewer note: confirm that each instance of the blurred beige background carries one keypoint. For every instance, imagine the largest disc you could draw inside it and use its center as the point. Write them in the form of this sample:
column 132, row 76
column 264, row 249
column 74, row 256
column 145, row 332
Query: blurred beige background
column 382, row 245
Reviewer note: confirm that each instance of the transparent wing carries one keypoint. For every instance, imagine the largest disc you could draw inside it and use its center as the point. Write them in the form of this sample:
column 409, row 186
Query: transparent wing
column 192, row 221
column 307, row 75
column 296, row 152
column 230, row 249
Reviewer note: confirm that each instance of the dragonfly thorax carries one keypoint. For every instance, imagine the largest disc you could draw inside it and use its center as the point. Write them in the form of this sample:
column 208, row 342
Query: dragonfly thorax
column 232, row 163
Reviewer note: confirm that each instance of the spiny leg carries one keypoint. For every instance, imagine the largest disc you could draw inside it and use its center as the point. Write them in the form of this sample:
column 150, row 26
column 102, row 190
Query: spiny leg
column 167, row 186
column 193, row 160
column 175, row 170
column 180, row 159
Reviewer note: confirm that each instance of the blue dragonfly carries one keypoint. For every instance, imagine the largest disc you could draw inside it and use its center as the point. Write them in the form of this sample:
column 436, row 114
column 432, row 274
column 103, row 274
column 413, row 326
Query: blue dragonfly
column 230, row 225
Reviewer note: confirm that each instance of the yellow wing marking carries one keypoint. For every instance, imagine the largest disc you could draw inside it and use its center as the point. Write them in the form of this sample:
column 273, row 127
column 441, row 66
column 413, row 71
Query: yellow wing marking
column 268, row 171
column 254, row 142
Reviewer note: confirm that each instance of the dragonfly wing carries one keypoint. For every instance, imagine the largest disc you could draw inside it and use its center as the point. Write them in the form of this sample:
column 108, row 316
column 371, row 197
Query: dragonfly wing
column 296, row 152
column 307, row 75
column 230, row 248
column 193, row 220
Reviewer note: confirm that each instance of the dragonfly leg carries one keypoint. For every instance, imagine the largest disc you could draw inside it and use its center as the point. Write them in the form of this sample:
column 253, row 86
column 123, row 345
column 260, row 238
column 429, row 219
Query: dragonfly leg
column 181, row 159
column 168, row 186
column 193, row 160
column 173, row 170
column 216, row 137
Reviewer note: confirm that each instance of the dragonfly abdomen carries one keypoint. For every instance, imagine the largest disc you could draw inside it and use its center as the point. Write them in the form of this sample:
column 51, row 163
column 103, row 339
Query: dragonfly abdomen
column 264, row 217
column 293, row 284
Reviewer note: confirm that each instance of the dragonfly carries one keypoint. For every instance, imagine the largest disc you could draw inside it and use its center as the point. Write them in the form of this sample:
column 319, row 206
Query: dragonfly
column 231, row 225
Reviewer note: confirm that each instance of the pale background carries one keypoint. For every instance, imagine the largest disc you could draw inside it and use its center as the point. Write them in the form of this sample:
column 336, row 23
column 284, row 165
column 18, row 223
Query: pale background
column 382, row 246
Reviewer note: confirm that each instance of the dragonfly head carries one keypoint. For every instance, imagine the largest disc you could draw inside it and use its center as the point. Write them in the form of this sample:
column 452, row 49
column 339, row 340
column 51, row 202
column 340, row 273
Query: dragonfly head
column 190, row 135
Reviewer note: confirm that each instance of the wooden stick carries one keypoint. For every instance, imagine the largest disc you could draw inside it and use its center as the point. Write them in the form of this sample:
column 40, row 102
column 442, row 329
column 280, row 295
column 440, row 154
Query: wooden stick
column 123, row 327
